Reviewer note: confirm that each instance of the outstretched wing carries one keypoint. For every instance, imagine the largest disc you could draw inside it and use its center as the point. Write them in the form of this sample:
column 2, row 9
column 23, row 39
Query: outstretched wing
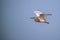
column 44, row 16
column 37, row 13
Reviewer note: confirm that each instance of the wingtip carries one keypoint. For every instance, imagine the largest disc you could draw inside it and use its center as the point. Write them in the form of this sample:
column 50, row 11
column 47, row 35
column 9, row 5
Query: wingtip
column 49, row 14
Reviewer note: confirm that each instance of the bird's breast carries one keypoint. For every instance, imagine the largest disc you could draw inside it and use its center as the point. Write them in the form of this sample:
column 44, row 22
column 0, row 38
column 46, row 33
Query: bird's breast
column 37, row 19
column 42, row 20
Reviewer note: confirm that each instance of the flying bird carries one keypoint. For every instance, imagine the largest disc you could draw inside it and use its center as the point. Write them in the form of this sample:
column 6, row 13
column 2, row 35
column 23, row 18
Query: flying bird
column 40, row 17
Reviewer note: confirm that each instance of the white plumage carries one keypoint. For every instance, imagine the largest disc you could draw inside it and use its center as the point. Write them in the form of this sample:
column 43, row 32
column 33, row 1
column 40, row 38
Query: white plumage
column 40, row 17
column 37, row 13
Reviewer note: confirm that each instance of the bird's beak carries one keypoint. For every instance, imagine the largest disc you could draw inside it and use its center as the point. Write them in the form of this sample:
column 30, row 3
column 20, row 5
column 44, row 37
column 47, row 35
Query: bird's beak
column 32, row 17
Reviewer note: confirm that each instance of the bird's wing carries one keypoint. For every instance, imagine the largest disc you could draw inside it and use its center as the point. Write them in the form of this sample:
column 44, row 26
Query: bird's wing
column 44, row 16
column 37, row 13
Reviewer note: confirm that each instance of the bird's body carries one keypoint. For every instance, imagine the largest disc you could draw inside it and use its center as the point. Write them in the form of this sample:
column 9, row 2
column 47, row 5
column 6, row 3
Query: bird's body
column 40, row 17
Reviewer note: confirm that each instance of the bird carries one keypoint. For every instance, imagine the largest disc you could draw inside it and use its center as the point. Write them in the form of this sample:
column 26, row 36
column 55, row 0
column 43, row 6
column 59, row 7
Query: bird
column 40, row 17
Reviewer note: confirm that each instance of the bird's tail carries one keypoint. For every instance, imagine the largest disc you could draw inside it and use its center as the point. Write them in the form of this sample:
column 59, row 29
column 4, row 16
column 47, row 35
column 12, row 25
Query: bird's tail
column 47, row 22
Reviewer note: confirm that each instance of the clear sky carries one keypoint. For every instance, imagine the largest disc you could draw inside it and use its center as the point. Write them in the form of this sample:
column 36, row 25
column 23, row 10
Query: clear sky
column 17, row 25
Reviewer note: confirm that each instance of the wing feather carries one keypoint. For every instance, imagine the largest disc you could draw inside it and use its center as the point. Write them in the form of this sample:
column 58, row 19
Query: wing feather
column 37, row 13
column 44, row 16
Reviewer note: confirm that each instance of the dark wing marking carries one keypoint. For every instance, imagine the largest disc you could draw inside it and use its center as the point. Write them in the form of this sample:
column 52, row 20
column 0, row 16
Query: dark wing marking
column 48, row 14
column 43, row 16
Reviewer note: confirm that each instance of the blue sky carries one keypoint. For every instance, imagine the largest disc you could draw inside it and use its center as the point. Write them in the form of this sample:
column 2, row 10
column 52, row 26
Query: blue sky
column 17, row 25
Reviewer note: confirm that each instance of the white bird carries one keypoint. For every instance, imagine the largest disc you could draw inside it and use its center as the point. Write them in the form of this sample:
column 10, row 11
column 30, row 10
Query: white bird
column 40, row 17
